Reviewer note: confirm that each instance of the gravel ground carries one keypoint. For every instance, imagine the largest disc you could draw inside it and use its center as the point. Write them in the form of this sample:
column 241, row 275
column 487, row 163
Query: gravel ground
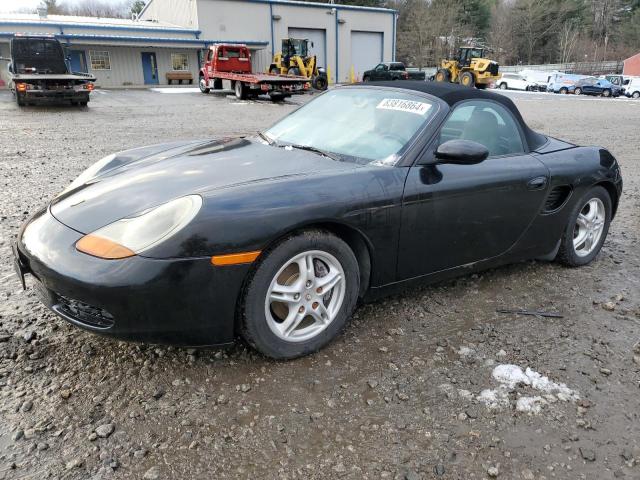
column 406, row 392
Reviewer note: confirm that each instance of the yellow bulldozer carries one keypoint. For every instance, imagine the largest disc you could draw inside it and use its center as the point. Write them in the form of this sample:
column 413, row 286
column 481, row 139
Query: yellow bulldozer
column 469, row 69
column 295, row 59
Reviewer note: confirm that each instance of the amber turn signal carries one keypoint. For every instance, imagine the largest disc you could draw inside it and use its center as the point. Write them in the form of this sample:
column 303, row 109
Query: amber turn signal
column 102, row 248
column 235, row 258
column 21, row 87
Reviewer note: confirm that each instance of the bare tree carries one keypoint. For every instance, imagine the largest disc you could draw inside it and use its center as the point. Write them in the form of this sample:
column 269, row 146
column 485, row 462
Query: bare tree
column 567, row 40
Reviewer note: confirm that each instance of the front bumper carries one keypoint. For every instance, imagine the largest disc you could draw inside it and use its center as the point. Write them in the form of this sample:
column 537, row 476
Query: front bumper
column 186, row 302
column 55, row 95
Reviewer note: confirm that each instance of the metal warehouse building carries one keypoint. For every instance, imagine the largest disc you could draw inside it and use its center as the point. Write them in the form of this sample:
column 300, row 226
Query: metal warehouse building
column 170, row 36
column 344, row 37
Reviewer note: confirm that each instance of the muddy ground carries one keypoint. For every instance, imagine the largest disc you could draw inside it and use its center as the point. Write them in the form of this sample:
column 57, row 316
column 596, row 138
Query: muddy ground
column 395, row 396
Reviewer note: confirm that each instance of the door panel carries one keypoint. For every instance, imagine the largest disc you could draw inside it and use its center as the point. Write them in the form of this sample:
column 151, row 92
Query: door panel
column 149, row 68
column 454, row 215
column 366, row 52
column 318, row 37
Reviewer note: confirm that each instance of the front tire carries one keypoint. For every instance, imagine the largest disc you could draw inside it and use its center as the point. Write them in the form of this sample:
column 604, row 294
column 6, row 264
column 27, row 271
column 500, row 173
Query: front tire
column 606, row 93
column 503, row 86
column 564, row 91
column 202, row 83
column 578, row 91
column 635, row 95
column 586, row 229
column 300, row 296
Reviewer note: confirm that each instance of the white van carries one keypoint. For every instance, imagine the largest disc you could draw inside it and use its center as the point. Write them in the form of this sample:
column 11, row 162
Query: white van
column 632, row 89
column 539, row 78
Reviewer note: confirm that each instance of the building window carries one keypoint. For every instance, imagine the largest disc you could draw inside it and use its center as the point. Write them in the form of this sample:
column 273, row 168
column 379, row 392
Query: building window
column 180, row 61
column 100, row 60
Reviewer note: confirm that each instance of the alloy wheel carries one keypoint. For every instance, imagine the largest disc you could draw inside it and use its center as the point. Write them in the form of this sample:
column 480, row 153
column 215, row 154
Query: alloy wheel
column 589, row 227
column 305, row 296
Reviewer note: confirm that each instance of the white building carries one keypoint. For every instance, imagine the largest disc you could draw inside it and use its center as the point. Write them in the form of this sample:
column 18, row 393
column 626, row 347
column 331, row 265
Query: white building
column 170, row 36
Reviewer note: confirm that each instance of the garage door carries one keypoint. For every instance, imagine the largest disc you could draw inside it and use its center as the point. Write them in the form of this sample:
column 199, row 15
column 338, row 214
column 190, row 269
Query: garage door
column 315, row 35
column 366, row 51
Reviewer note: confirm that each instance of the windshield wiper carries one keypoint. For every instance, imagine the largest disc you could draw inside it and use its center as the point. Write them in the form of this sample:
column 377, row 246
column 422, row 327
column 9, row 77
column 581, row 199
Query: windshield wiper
column 266, row 138
column 309, row 148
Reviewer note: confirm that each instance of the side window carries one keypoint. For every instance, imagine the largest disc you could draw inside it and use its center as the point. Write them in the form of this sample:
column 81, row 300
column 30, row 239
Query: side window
column 485, row 122
column 379, row 68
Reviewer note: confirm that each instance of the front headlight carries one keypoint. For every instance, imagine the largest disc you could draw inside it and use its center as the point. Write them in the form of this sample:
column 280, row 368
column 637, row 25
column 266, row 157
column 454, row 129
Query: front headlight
column 89, row 173
column 133, row 235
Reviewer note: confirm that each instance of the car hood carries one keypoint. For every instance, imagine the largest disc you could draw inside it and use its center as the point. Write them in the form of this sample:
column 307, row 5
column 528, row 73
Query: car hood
column 136, row 180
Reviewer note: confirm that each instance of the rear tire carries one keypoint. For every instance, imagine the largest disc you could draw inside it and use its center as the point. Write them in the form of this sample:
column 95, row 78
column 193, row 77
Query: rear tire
column 276, row 97
column 320, row 82
column 467, row 79
column 240, row 90
column 19, row 100
column 578, row 91
column 503, row 86
column 325, row 312
column 590, row 215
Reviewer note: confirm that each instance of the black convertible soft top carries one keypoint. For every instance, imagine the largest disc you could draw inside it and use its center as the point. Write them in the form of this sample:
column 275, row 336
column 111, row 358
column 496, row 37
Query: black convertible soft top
column 453, row 93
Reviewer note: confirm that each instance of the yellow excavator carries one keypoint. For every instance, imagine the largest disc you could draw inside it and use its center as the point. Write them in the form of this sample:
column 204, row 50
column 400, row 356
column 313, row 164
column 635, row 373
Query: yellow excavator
column 469, row 69
column 294, row 59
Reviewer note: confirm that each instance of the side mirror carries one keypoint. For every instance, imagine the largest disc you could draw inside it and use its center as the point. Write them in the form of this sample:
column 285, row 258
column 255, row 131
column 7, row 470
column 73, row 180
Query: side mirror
column 461, row 152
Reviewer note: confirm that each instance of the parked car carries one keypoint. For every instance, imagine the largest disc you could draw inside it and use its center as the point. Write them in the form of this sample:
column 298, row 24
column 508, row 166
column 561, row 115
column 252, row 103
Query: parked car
column 632, row 89
column 277, row 236
column 514, row 81
column 391, row 71
column 595, row 86
column 564, row 83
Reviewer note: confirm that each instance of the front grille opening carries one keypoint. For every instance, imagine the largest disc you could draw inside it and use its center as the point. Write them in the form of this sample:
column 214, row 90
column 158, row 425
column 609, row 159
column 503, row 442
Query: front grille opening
column 94, row 317
column 557, row 198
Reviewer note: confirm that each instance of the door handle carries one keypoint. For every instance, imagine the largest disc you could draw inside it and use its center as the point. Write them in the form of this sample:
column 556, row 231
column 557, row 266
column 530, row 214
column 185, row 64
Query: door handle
column 537, row 183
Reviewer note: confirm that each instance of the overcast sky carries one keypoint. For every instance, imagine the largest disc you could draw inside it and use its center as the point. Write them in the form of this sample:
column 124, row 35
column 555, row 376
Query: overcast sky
column 18, row 5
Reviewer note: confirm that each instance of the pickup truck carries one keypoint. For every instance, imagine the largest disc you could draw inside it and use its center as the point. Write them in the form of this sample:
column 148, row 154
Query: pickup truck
column 38, row 72
column 227, row 62
column 391, row 71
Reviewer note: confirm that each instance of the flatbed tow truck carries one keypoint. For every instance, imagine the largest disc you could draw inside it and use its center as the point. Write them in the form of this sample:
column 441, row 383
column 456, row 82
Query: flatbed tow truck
column 38, row 72
column 232, row 63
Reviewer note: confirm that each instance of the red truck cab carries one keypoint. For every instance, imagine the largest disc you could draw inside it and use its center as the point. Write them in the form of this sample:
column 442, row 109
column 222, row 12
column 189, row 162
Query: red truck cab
column 229, row 58
column 232, row 62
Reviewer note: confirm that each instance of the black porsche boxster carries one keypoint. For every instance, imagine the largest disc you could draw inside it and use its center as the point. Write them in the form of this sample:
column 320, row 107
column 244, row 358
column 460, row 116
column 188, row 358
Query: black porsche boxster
column 275, row 237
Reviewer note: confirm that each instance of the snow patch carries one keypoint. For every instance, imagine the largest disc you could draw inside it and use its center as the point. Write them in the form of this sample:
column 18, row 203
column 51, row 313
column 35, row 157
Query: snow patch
column 510, row 376
column 530, row 404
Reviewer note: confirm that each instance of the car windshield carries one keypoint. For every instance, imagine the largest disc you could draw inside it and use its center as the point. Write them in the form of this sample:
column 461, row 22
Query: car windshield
column 362, row 125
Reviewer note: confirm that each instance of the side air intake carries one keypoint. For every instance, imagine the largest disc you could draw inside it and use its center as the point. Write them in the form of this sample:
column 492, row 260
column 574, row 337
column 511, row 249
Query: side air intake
column 557, row 198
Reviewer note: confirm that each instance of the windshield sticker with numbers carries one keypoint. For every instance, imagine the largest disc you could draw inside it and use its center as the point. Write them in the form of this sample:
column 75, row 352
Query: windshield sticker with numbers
column 409, row 106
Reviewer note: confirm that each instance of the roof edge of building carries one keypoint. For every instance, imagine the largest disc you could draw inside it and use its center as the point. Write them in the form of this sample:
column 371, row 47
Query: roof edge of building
column 308, row 5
